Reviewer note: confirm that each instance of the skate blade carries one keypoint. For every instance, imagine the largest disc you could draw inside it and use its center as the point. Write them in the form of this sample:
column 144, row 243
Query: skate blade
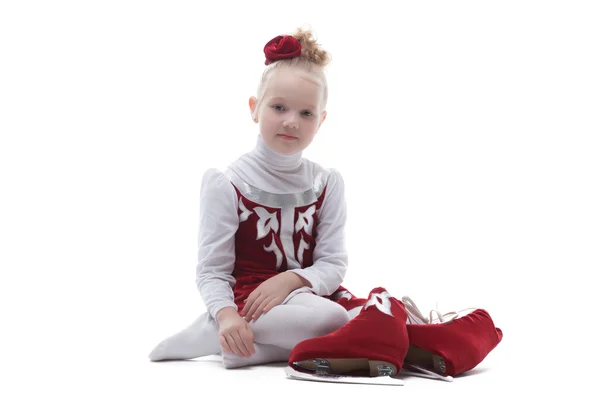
column 380, row 380
column 360, row 367
column 415, row 370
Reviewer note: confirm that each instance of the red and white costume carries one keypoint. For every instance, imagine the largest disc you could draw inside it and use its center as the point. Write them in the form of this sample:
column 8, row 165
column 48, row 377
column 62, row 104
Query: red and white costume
column 265, row 214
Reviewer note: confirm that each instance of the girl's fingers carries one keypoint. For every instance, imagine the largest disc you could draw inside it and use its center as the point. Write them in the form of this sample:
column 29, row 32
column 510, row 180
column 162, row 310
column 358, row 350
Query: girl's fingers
column 248, row 304
column 259, row 309
column 233, row 345
column 224, row 345
column 241, row 345
column 253, row 308
column 248, row 338
column 274, row 302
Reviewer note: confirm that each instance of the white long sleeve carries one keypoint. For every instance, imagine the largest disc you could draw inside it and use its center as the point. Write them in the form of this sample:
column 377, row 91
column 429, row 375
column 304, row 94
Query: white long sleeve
column 216, row 241
column 330, row 257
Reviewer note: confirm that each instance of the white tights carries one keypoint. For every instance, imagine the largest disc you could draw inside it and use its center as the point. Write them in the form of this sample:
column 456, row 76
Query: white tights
column 304, row 316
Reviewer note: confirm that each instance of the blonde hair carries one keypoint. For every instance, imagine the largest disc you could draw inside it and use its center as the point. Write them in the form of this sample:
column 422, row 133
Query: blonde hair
column 313, row 59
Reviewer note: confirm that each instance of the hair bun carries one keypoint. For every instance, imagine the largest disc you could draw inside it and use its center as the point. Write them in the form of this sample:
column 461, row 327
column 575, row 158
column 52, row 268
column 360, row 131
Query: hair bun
column 282, row 47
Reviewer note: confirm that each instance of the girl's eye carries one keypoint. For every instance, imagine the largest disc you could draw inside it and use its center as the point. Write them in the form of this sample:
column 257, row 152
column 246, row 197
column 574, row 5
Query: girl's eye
column 279, row 107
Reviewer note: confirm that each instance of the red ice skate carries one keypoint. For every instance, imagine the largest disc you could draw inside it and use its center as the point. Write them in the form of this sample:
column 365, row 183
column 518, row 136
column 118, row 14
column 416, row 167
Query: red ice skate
column 374, row 343
column 450, row 347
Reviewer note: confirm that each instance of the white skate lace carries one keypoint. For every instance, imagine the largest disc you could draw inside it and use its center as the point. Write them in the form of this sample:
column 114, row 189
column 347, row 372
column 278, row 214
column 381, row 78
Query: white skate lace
column 415, row 316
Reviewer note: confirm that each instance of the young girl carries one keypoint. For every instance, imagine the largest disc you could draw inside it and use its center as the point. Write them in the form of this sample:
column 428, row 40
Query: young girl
column 271, row 252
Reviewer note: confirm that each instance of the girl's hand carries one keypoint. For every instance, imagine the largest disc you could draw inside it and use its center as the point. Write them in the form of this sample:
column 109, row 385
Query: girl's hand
column 271, row 293
column 235, row 334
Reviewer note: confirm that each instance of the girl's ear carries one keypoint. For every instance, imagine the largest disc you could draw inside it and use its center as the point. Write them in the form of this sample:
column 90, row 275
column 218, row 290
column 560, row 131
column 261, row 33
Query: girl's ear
column 323, row 116
column 252, row 103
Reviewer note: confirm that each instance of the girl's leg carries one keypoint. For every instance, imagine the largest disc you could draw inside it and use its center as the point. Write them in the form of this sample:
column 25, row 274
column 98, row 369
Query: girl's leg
column 354, row 312
column 303, row 317
column 199, row 339
column 263, row 354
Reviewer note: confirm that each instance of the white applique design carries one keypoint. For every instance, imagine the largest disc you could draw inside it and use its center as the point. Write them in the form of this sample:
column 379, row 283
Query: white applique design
column 301, row 247
column 344, row 294
column 306, row 220
column 274, row 249
column 245, row 212
column 385, row 306
column 266, row 222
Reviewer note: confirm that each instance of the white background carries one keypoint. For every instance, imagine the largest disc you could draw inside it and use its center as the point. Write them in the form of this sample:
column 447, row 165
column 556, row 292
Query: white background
column 466, row 132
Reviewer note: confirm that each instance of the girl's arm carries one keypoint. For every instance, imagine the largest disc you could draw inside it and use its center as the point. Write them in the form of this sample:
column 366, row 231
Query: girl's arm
column 330, row 258
column 216, row 242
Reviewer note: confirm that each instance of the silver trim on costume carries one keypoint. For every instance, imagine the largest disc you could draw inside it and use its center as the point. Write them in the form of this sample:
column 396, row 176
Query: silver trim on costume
column 279, row 200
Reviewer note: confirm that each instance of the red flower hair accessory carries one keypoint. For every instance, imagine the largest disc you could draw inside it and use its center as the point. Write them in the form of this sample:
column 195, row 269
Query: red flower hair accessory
column 282, row 47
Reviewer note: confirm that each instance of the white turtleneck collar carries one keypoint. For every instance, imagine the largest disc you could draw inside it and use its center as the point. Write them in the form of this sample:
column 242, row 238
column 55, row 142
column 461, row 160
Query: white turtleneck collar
column 276, row 161
column 273, row 172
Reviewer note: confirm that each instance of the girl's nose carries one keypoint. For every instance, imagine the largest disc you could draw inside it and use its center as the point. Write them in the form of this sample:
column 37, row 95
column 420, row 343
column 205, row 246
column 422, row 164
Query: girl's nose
column 290, row 123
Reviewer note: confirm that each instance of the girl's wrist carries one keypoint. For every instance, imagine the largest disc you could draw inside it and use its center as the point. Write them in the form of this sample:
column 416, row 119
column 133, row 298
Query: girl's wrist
column 225, row 313
column 296, row 281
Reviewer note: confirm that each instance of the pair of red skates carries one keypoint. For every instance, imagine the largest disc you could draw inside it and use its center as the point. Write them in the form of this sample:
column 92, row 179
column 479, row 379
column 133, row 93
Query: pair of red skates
column 379, row 342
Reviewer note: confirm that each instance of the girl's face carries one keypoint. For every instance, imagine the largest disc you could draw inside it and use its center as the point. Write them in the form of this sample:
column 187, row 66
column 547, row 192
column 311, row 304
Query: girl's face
column 290, row 112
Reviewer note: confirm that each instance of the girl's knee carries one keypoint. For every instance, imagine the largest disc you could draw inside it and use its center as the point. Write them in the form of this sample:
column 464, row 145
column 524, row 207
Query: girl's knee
column 335, row 317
